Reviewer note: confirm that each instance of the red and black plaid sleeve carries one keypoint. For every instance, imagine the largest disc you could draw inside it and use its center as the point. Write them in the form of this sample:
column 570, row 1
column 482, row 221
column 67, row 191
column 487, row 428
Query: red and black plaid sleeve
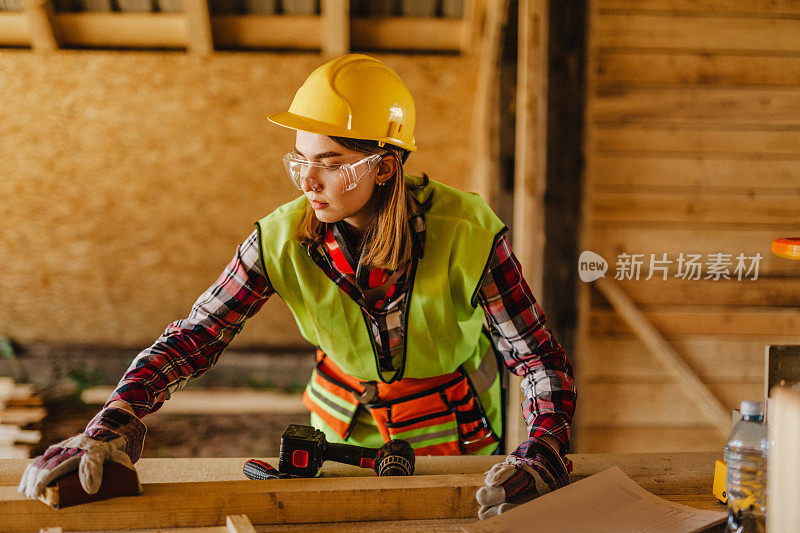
column 519, row 332
column 192, row 345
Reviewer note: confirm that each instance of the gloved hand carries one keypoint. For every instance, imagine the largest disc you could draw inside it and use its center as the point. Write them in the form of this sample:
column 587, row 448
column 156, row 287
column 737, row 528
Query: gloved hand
column 533, row 469
column 114, row 434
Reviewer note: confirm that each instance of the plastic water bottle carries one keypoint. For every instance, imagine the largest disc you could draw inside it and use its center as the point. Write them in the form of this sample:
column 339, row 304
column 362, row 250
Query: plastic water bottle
column 746, row 483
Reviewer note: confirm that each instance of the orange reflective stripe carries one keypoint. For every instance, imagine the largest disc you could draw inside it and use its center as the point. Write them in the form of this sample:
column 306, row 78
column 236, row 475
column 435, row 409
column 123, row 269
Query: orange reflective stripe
column 437, row 416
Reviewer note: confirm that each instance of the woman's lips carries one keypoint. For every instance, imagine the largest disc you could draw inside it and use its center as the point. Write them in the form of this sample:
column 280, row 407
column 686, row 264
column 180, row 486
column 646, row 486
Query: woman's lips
column 316, row 204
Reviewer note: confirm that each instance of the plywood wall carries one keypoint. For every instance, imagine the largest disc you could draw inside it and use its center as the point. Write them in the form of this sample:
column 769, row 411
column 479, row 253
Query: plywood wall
column 692, row 146
column 127, row 179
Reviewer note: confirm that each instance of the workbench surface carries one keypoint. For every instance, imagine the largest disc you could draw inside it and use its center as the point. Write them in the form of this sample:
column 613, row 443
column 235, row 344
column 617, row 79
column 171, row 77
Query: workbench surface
column 680, row 477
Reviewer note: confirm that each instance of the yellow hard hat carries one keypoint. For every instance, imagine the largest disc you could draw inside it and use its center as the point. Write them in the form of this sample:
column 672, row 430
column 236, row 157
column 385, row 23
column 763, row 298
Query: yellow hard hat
column 353, row 96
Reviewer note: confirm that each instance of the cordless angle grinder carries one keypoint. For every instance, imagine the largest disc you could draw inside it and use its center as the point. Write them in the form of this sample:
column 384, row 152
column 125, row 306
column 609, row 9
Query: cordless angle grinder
column 304, row 449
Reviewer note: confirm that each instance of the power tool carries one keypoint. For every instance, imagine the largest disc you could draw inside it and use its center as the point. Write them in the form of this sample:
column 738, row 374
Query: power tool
column 304, row 449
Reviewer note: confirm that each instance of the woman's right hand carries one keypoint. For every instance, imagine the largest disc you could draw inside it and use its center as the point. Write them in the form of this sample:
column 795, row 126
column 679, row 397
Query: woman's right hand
column 115, row 434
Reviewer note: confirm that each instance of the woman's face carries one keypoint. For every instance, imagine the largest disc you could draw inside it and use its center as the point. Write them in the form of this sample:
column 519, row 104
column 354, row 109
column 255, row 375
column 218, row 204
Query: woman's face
column 321, row 187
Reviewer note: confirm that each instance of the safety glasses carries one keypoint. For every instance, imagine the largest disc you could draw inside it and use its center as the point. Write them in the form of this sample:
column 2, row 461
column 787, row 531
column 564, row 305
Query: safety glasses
column 336, row 179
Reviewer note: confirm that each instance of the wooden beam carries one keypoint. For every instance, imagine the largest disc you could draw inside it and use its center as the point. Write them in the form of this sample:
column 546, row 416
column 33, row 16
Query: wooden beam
column 283, row 501
column 239, row 523
column 215, row 402
column 485, row 143
column 406, row 33
column 123, row 30
column 14, row 29
column 198, row 20
column 666, row 355
column 335, row 27
column 301, row 32
column 530, row 180
column 43, row 25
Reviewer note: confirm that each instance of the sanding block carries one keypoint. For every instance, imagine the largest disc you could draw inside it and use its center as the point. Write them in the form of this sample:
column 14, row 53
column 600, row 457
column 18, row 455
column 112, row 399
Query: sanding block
column 118, row 480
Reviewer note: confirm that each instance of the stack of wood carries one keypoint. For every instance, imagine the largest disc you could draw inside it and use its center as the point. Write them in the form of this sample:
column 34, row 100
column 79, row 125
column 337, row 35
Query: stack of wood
column 19, row 406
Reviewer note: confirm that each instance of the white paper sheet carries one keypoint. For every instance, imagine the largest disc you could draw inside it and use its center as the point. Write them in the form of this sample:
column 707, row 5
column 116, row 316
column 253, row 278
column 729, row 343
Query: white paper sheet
column 608, row 502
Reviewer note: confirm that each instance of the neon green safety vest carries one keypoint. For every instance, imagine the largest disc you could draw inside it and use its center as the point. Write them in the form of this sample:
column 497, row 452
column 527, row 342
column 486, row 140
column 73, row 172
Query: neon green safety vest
column 444, row 323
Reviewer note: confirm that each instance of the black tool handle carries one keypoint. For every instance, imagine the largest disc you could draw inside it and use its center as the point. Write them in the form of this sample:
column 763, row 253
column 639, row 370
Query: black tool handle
column 350, row 454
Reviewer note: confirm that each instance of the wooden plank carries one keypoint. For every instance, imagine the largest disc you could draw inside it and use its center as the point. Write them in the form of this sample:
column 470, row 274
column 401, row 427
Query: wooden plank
column 697, row 33
column 45, row 34
column 198, row 20
column 764, row 292
column 123, row 30
column 268, row 31
column 215, row 401
column 406, row 33
column 647, row 68
column 695, row 320
column 610, row 240
column 617, row 172
column 663, row 352
column 719, row 7
column 15, row 451
column 765, row 143
column 10, row 434
column 696, row 208
column 20, row 416
column 685, row 107
column 648, row 404
column 624, row 357
column 335, row 27
column 263, row 501
column 14, row 29
column 652, row 440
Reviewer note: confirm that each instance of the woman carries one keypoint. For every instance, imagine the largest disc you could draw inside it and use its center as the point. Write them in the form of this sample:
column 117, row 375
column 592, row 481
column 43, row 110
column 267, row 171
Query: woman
column 407, row 287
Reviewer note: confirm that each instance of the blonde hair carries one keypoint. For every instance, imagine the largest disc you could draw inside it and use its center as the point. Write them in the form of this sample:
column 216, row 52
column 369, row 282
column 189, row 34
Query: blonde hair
column 386, row 238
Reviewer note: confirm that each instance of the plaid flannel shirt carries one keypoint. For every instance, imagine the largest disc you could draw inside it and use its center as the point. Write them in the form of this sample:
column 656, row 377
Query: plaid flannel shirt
column 192, row 345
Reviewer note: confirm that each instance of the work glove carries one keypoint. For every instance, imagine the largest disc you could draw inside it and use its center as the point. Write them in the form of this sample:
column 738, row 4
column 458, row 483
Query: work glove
column 113, row 435
column 533, row 469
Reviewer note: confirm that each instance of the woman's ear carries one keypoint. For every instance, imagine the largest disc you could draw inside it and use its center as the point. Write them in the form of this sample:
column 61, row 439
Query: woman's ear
column 387, row 168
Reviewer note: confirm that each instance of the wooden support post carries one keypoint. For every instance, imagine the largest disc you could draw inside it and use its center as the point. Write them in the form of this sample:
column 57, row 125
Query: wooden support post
column 336, row 28
column 666, row 355
column 45, row 36
column 471, row 23
column 200, row 39
column 485, row 141
column 530, row 180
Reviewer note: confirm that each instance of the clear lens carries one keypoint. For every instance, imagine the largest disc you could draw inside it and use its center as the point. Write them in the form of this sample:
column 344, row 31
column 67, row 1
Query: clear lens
column 336, row 179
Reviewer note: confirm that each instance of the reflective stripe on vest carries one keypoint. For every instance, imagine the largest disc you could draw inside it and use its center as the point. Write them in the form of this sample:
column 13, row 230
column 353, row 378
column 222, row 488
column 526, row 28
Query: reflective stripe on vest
column 437, row 416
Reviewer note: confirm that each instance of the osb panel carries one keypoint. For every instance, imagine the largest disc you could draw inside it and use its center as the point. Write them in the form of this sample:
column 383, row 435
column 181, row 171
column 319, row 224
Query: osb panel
column 127, row 179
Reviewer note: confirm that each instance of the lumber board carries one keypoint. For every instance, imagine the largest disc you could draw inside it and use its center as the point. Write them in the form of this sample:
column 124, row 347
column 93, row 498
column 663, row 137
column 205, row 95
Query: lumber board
column 263, row 501
column 138, row 30
column 267, row 31
column 10, row 434
column 651, row 404
column 406, row 33
column 684, row 106
column 764, row 292
column 765, row 7
column 681, row 207
column 692, row 320
column 760, row 142
column 19, row 416
column 705, row 173
column 697, row 33
column 623, row 357
column 610, row 240
column 43, row 26
column 630, row 440
column 638, row 68
column 215, row 402
column 200, row 39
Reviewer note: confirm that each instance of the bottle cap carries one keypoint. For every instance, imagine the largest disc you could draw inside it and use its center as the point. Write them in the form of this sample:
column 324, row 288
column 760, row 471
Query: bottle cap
column 788, row 248
column 751, row 408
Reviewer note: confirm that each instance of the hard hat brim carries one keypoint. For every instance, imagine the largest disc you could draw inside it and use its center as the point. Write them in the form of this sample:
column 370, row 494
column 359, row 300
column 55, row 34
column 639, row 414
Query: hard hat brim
column 297, row 122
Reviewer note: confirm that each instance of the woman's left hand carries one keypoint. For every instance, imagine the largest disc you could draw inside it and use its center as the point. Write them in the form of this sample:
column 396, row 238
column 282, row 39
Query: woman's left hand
column 533, row 469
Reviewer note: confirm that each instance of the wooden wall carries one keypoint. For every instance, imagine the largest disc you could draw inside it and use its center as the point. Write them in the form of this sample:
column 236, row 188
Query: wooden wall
column 127, row 179
column 693, row 146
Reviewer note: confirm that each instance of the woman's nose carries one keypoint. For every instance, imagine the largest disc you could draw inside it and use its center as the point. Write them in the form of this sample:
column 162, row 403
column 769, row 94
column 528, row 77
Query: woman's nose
column 307, row 184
